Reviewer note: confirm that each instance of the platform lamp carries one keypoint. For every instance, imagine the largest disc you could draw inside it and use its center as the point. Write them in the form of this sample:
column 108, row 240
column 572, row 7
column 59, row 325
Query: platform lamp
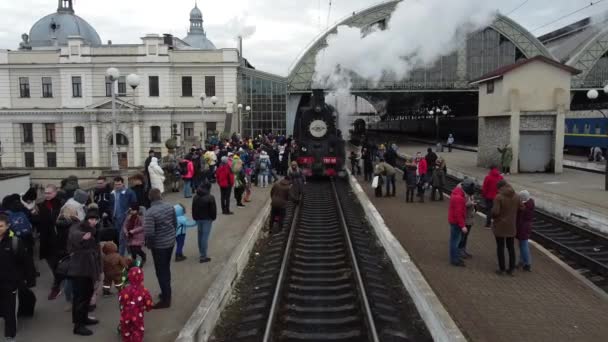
column 438, row 111
column 133, row 80
column 593, row 94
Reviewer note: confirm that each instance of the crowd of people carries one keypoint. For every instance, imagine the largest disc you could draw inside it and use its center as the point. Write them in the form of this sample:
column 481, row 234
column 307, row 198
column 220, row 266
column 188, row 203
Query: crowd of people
column 509, row 214
column 96, row 240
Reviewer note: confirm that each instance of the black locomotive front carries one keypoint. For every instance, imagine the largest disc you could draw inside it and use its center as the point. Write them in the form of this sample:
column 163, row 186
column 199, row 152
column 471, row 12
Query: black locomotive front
column 321, row 147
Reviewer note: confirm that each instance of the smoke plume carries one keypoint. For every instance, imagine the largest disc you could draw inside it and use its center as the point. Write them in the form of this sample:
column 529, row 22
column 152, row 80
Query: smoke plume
column 418, row 33
column 237, row 26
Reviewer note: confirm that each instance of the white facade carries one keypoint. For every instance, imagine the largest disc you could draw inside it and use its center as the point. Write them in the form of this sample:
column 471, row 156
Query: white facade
column 139, row 110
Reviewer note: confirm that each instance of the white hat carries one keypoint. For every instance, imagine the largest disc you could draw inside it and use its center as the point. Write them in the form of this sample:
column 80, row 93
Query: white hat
column 524, row 195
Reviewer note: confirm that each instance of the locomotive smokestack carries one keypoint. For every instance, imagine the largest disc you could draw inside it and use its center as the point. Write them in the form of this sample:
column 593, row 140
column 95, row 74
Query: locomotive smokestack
column 318, row 97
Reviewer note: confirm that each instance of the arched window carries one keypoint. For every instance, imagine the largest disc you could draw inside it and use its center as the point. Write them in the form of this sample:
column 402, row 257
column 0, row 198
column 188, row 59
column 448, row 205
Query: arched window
column 121, row 140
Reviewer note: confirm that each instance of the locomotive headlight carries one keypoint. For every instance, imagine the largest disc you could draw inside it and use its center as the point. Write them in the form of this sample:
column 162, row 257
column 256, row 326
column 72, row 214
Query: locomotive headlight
column 318, row 128
column 304, row 149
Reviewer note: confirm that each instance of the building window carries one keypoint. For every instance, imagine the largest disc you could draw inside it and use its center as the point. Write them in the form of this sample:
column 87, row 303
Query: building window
column 49, row 130
column 79, row 135
column 490, row 87
column 24, row 86
column 28, row 133
column 29, row 159
column 188, row 130
column 187, row 86
column 211, row 128
column 51, row 159
column 210, row 85
column 47, row 87
column 81, row 159
column 598, row 130
column 122, row 86
column 153, row 86
column 155, row 133
column 121, row 140
column 76, row 86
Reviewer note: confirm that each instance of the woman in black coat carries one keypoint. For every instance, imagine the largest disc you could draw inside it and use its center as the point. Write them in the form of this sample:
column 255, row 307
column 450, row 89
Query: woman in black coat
column 84, row 269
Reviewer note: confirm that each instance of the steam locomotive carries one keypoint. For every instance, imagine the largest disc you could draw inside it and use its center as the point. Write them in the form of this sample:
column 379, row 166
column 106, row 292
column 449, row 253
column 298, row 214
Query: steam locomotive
column 320, row 143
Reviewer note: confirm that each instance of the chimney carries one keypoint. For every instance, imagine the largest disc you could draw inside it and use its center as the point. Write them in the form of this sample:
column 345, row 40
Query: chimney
column 318, row 97
column 168, row 40
column 240, row 38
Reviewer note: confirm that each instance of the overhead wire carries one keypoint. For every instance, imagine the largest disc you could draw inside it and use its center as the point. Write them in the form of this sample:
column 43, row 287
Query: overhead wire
column 567, row 15
column 516, row 8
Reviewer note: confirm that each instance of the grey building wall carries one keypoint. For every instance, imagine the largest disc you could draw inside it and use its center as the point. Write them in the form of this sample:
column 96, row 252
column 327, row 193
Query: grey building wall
column 532, row 122
column 494, row 132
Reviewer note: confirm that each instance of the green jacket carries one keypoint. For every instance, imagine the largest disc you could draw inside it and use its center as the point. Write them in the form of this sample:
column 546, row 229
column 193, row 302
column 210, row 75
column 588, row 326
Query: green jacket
column 506, row 156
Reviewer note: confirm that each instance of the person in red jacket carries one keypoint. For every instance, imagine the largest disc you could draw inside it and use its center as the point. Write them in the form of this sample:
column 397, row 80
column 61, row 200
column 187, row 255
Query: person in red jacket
column 225, row 179
column 422, row 174
column 187, row 177
column 489, row 191
column 457, row 218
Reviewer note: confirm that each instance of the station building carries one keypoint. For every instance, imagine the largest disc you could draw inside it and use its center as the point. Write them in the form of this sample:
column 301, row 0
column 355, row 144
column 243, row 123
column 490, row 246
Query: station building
column 55, row 99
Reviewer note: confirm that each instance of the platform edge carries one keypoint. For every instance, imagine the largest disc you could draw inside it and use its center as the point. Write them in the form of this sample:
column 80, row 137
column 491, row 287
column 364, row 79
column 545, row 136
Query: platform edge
column 203, row 320
column 439, row 322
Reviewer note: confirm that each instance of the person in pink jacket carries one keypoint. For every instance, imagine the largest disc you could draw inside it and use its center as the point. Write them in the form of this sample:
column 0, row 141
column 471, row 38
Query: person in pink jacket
column 187, row 170
column 133, row 229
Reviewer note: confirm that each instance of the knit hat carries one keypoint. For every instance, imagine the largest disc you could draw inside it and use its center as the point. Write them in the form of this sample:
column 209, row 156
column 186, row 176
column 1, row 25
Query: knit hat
column 80, row 196
column 468, row 186
column 524, row 195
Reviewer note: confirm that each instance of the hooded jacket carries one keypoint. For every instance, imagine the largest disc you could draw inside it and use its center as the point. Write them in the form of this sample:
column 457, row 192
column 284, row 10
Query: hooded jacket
column 157, row 175
column 85, row 260
column 279, row 194
column 409, row 175
column 133, row 228
column 203, row 206
column 457, row 211
column 189, row 170
column 264, row 158
column 16, row 266
column 504, row 212
column 224, row 176
column 490, row 184
column 134, row 300
column 385, row 169
column 422, row 167
column 525, row 215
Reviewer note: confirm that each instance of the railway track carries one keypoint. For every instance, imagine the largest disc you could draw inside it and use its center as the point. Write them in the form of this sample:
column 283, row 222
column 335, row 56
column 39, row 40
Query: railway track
column 582, row 249
column 326, row 279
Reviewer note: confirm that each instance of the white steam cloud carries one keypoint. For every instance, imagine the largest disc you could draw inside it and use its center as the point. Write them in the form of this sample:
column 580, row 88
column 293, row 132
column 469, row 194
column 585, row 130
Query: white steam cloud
column 418, row 33
column 237, row 26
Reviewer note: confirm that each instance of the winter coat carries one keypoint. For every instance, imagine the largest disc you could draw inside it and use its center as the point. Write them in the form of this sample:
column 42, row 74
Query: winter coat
column 422, row 167
column 457, row 211
column 160, row 224
column 504, row 212
column 103, row 198
column 157, row 175
column 385, row 169
column 297, row 177
column 73, row 207
column 264, row 158
column 490, row 184
column 189, row 170
column 142, row 195
column 409, row 175
column 16, row 265
column 506, row 156
column 204, row 206
column 438, row 177
column 134, row 300
column 134, row 230
column 471, row 210
column 525, row 215
column 113, row 263
column 431, row 159
column 85, row 260
column 48, row 211
column 279, row 194
column 224, row 176
column 122, row 201
column 391, row 157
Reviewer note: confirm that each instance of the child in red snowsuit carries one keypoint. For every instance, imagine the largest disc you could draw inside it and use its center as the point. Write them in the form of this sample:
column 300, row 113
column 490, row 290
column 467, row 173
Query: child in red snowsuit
column 134, row 300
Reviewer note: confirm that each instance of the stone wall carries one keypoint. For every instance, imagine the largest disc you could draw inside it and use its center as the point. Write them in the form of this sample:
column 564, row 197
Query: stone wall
column 494, row 132
column 531, row 122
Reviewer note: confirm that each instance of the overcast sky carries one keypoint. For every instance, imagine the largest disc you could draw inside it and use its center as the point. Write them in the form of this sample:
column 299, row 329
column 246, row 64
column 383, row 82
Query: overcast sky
column 282, row 27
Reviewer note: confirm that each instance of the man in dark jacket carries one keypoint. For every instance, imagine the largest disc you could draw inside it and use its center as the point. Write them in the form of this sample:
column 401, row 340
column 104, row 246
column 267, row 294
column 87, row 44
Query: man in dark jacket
column 390, row 156
column 48, row 211
column 102, row 196
column 431, row 159
column 16, row 271
column 279, row 195
column 504, row 213
column 204, row 212
column 160, row 224
column 151, row 154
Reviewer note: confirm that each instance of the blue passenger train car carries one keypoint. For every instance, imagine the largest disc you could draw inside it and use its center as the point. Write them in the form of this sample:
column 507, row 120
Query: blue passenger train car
column 586, row 132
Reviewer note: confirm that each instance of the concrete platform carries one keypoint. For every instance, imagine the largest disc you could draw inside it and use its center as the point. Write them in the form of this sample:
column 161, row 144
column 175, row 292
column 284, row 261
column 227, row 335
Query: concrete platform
column 576, row 196
column 548, row 304
column 190, row 282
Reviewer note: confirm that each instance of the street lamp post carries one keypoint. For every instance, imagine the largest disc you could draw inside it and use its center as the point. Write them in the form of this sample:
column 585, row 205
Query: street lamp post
column 247, row 113
column 592, row 95
column 203, row 96
column 240, row 108
column 436, row 111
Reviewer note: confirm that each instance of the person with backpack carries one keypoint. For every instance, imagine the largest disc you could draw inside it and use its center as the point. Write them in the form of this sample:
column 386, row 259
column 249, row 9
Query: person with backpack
column 264, row 166
column 17, row 271
column 187, row 172
column 171, row 171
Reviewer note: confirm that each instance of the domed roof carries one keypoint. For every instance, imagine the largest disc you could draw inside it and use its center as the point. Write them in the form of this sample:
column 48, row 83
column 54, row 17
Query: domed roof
column 196, row 13
column 58, row 26
column 199, row 41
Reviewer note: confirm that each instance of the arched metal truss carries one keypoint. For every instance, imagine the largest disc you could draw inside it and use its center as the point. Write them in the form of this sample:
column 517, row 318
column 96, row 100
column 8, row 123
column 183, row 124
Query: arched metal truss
column 587, row 58
column 300, row 75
